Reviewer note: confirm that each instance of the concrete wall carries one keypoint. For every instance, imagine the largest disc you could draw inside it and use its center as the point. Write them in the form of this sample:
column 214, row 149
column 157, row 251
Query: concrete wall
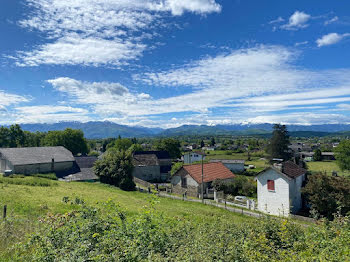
column 273, row 202
column 295, row 193
column 42, row 168
column 192, row 188
column 147, row 173
column 5, row 165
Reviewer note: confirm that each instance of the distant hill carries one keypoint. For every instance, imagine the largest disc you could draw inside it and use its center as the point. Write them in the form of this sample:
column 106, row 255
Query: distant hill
column 106, row 129
column 96, row 129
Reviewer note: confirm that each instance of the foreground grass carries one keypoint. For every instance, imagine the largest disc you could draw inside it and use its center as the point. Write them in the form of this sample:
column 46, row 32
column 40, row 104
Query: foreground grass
column 26, row 204
column 326, row 166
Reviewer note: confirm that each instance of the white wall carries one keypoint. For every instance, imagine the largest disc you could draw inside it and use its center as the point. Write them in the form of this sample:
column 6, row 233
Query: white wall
column 276, row 202
column 190, row 158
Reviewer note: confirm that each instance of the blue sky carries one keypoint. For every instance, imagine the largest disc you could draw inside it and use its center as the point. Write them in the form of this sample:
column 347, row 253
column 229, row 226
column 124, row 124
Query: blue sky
column 165, row 63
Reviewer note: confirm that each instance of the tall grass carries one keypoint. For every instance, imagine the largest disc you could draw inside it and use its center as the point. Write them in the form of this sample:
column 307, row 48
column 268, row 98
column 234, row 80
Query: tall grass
column 27, row 181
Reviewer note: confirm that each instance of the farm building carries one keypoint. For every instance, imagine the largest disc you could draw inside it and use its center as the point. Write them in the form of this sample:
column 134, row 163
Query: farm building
column 152, row 165
column 192, row 157
column 235, row 165
column 189, row 178
column 279, row 189
column 82, row 170
column 31, row 160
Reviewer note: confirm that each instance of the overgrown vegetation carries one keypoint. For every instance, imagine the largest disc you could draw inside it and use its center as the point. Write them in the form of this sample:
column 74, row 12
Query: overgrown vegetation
column 241, row 185
column 328, row 195
column 95, row 234
column 115, row 168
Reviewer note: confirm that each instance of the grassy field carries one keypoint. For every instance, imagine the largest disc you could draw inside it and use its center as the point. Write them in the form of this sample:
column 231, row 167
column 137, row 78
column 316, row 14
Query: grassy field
column 326, row 166
column 27, row 203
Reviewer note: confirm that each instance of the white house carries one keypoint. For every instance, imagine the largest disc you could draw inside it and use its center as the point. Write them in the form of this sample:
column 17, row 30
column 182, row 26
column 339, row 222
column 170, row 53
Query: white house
column 235, row 165
column 192, row 157
column 279, row 189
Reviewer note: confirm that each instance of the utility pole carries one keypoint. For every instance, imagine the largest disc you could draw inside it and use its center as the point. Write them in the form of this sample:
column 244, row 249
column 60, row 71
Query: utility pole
column 202, row 190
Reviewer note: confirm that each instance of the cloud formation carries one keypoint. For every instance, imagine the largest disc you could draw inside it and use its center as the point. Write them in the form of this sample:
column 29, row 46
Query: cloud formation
column 331, row 39
column 297, row 21
column 99, row 32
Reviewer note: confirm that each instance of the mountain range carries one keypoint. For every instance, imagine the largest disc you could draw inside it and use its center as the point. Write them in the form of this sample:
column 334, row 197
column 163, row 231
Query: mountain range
column 99, row 129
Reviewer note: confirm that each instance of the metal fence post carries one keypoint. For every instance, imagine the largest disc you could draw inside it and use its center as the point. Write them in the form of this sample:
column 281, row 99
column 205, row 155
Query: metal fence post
column 5, row 211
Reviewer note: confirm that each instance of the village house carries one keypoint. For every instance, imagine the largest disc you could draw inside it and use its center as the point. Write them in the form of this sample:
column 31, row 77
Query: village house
column 192, row 157
column 309, row 156
column 279, row 189
column 31, row 160
column 235, row 165
column 188, row 179
column 152, row 166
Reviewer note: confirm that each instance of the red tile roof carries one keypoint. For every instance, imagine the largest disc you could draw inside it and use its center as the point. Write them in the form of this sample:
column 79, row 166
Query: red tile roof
column 211, row 171
column 292, row 170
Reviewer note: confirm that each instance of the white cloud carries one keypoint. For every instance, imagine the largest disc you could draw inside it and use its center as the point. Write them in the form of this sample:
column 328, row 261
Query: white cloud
column 300, row 119
column 99, row 32
column 7, row 99
column 74, row 50
column 276, row 21
column 332, row 20
column 331, row 39
column 301, row 43
column 297, row 21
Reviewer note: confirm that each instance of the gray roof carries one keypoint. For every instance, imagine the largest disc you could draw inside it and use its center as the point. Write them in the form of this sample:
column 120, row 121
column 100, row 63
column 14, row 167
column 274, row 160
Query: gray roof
column 145, row 160
column 36, row 155
column 85, row 174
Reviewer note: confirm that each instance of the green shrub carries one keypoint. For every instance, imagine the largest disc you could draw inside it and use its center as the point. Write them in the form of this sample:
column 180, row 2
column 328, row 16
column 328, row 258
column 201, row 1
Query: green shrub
column 90, row 234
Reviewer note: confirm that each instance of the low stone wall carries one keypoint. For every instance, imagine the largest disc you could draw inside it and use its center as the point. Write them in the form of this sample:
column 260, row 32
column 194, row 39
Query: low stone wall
column 190, row 190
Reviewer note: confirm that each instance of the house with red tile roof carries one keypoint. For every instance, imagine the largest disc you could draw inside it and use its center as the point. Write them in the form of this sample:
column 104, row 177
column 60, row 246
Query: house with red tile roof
column 189, row 178
column 279, row 189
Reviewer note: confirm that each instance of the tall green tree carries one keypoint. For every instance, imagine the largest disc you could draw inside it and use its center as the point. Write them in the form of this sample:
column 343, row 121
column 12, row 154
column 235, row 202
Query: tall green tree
column 317, row 155
column 4, row 137
column 71, row 139
column 212, row 141
column 16, row 136
column 115, row 168
column 343, row 155
column 121, row 144
column 171, row 145
column 279, row 142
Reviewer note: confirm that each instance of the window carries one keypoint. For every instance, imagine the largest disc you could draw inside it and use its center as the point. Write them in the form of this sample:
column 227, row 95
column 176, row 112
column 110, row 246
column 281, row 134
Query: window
column 183, row 181
column 271, row 185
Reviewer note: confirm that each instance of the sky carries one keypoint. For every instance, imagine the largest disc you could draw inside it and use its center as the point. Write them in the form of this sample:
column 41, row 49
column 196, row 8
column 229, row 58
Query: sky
column 166, row 63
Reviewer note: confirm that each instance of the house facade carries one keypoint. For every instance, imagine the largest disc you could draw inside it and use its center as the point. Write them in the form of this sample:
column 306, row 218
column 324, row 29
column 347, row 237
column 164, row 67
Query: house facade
column 279, row 189
column 235, row 165
column 152, row 166
column 192, row 157
column 188, row 179
column 31, row 160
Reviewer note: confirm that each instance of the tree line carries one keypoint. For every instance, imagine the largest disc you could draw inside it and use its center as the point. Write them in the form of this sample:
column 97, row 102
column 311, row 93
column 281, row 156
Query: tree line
column 72, row 139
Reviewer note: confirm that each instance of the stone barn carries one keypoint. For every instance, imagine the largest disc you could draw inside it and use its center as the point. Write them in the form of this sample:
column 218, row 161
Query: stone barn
column 188, row 179
column 152, row 166
column 32, row 160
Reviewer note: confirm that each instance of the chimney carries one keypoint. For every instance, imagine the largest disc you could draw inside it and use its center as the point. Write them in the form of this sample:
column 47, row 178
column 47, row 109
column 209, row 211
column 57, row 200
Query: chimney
column 278, row 166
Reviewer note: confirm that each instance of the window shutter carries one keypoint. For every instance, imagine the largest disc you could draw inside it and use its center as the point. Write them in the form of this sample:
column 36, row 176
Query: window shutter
column 271, row 185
